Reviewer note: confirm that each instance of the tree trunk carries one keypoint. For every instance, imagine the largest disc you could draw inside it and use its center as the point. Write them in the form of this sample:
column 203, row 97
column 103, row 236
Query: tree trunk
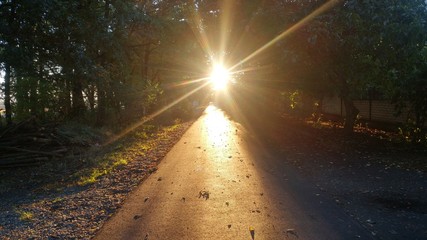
column 147, row 53
column 78, row 105
column 7, row 104
column 91, row 97
column 34, row 103
column 101, row 82
column 102, row 103
column 8, row 69
column 351, row 113
column 66, row 98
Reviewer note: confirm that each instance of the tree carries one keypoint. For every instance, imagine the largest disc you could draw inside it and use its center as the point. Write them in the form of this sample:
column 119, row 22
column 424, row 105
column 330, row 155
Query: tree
column 381, row 45
column 411, row 96
column 358, row 45
column 71, row 67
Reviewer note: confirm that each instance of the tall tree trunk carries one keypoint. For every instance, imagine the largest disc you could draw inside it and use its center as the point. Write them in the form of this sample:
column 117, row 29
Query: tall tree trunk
column 147, row 53
column 34, row 103
column 100, row 83
column 102, row 103
column 78, row 105
column 66, row 98
column 351, row 113
column 91, row 96
column 43, row 96
column 22, row 97
column 7, row 104
column 8, row 68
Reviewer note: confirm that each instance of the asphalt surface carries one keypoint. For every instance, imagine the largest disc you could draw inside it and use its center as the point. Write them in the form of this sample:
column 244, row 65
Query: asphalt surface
column 218, row 182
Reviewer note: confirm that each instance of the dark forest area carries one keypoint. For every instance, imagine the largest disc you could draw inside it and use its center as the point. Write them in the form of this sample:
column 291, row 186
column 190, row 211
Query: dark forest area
column 112, row 62
column 109, row 64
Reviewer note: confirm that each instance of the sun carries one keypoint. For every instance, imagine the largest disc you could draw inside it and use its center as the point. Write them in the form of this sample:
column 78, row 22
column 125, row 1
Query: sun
column 219, row 77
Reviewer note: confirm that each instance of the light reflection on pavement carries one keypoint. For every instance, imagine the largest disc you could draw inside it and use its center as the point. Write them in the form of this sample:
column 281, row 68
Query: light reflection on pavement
column 247, row 189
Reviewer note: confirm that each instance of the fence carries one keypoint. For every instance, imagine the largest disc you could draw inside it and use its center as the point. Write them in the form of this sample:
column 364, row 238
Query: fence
column 375, row 110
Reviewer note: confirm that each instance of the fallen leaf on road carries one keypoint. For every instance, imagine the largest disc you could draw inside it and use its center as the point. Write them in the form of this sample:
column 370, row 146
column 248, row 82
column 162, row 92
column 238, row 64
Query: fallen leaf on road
column 370, row 222
column 292, row 232
column 204, row 194
column 252, row 231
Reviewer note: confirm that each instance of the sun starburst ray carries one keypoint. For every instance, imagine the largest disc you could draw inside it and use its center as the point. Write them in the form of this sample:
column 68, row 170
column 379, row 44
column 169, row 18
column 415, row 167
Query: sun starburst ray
column 328, row 5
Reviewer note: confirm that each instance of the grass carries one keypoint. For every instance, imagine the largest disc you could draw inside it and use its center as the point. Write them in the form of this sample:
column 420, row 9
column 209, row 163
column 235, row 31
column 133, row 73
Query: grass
column 57, row 200
column 90, row 178
column 25, row 215
column 121, row 153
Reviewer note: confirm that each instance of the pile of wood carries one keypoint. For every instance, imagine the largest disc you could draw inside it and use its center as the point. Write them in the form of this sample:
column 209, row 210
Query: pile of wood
column 28, row 143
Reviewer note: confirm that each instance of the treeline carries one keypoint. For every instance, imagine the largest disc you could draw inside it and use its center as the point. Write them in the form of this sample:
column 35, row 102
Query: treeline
column 351, row 49
column 93, row 61
column 110, row 60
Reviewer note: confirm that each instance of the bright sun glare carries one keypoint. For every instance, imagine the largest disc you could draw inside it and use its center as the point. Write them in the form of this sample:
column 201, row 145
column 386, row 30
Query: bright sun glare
column 219, row 77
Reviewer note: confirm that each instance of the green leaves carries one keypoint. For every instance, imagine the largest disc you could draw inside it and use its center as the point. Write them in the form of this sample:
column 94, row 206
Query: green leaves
column 74, row 54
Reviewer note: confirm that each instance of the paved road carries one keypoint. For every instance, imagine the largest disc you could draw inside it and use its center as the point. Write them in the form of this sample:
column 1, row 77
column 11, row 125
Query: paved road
column 219, row 183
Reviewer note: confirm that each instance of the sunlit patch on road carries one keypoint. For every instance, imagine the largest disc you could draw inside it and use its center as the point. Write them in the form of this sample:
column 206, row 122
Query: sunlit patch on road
column 218, row 128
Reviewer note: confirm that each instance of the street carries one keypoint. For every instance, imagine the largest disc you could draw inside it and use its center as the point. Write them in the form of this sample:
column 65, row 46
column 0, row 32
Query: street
column 219, row 182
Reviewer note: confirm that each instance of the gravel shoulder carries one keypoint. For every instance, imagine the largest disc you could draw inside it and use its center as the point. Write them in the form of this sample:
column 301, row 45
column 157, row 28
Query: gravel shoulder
column 34, row 208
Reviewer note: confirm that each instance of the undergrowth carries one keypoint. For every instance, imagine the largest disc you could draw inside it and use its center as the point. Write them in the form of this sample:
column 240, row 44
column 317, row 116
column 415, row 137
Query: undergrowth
column 119, row 154
column 25, row 215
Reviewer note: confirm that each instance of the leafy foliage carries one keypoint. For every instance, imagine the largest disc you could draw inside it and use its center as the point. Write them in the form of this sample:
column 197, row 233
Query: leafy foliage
column 91, row 61
column 111, row 61
column 352, row 49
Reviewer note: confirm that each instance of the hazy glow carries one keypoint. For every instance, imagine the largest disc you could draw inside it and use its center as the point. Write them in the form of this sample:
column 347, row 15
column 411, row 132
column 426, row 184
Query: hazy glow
column 148, row 118
column 220, row 77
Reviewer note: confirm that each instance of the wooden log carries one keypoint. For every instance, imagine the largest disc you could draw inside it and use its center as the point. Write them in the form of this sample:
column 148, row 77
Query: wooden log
column 7, row 163
column 29, row 151
column 18, row 156
column 17, row 126
column 60, row 150
column 24, row 160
